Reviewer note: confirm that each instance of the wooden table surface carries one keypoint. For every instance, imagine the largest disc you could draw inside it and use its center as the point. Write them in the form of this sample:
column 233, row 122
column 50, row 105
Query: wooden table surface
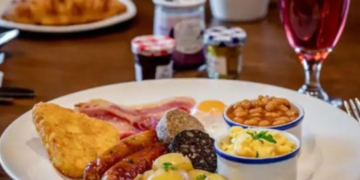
column 55, row 65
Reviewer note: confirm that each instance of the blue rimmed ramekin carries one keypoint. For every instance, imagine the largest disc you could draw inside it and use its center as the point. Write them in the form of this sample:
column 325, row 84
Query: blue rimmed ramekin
column 293, row 127
column 244, row 168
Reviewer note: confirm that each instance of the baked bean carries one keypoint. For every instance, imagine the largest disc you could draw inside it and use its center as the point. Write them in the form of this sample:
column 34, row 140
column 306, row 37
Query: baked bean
column 260, row 97
column 239, row 109
column 271, row 106
column 265, row 101
column 256, row 119
column 239, row 120
column 264, row 123
column 256, row 110
column 293, row 118
column 256, row 104
column 263, row 111
column 284, row 101
column 279, row 122
column 241, row 114
column 283, row 108
column 255, row 115
column 251, row 122
column 272, row 114
column 283, row 118
column 292, row 112
column 245, row 104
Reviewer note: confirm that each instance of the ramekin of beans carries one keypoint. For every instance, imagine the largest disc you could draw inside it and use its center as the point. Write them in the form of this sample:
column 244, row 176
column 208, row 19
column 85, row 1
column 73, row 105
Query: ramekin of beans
column 268, row 112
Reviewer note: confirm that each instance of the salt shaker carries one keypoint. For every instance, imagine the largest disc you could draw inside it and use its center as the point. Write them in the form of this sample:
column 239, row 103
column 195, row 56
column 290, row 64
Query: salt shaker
column 182, row 20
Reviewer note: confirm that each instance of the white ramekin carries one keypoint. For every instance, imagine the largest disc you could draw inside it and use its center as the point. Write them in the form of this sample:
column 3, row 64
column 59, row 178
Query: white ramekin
column 239, row 10
column 274, row 168
column 293, row 127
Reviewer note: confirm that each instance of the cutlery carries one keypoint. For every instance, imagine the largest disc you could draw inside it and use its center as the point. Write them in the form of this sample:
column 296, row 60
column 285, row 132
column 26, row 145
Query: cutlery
column 353, row 108
column 15, row 92
column 6, row 101
column 8, row 36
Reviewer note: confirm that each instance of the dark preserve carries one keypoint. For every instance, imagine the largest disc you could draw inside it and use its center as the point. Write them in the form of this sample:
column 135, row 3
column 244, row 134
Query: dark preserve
column 153, row 57
column 149, row 64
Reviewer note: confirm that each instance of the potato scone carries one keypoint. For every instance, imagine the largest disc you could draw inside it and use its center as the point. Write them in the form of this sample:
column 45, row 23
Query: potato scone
column 72, row 139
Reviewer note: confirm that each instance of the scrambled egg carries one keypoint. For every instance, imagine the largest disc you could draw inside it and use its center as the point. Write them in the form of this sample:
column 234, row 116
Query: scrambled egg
column 257, row 144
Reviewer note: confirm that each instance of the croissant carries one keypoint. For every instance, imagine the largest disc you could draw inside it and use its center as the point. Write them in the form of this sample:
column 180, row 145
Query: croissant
column 62, row 12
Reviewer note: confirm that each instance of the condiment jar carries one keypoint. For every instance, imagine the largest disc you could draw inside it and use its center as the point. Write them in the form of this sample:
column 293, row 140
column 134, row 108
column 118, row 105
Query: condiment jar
column 153, row 57
column 182, row 20
column 223, row 51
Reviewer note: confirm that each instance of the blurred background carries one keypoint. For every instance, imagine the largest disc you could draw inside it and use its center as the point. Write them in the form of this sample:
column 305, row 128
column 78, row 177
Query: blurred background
column 54, row 64
column 57, row 52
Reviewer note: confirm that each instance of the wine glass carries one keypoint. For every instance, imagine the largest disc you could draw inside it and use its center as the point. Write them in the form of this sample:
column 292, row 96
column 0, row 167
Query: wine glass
column 313, row 27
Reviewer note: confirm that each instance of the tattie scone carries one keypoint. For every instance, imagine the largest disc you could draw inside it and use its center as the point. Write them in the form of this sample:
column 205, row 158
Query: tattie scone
column 175, row 122
column 72, row 139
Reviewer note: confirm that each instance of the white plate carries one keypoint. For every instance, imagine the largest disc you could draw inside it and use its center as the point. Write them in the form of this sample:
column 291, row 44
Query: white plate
column 130, row 13
column 329, row 134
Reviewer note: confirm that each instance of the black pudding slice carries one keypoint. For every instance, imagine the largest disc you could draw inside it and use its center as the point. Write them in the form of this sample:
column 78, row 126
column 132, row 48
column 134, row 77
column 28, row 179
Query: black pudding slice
column 198, row 147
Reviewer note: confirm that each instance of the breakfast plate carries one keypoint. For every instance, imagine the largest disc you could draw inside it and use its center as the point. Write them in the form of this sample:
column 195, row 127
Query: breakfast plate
column 130, row 13
column 330, row 138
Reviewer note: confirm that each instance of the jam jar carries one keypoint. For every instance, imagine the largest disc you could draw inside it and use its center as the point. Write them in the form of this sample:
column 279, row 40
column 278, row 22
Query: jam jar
column 223, row 51
column 153, row 57
column 182, row 20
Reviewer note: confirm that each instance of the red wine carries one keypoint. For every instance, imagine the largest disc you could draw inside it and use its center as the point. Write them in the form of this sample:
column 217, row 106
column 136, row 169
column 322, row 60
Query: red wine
column 314, row 24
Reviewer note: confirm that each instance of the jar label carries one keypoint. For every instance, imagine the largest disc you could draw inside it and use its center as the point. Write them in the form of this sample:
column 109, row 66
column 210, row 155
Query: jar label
column 216, row 64
column 188, row 36
column 165, row 20
column 165, row 71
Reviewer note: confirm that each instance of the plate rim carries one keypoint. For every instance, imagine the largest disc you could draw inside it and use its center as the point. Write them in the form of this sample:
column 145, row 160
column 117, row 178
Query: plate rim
column 129, row 14
column 9, row 172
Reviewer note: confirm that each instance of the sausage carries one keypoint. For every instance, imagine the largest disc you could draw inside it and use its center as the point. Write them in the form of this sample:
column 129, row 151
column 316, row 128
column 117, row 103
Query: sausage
column 135, row 164
column 127, row 146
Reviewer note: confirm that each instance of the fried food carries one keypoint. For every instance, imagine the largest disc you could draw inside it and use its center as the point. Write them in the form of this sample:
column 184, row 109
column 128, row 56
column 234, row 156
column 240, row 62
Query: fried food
column 126, row 147
column 62, row 12
column 135, row 164
column 72, row 139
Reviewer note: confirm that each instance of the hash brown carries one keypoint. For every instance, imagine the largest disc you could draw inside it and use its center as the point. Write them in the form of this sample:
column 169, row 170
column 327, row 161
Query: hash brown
column 72, row 139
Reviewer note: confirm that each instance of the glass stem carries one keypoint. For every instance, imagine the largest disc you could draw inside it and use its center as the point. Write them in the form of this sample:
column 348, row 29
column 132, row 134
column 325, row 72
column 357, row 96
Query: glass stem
column 312, row 62
column 312, row 73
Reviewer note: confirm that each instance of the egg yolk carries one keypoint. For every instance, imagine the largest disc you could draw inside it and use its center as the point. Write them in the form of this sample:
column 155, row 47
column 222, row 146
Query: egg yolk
column 212, row 106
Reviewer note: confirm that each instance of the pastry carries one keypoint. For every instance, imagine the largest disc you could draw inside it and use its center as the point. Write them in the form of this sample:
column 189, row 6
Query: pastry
column 62, row 12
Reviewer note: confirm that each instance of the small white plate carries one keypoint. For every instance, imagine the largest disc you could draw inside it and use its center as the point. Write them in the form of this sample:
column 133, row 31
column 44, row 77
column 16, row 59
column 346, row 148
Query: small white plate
column 331, row 139
column 130, row 13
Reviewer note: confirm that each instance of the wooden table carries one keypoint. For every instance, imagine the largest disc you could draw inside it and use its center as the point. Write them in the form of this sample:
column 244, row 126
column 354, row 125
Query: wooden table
column 55, row 65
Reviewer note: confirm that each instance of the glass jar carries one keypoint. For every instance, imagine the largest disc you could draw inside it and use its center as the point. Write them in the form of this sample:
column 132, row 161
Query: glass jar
column 182, row 20
column 223, row 51
column 153, row 57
